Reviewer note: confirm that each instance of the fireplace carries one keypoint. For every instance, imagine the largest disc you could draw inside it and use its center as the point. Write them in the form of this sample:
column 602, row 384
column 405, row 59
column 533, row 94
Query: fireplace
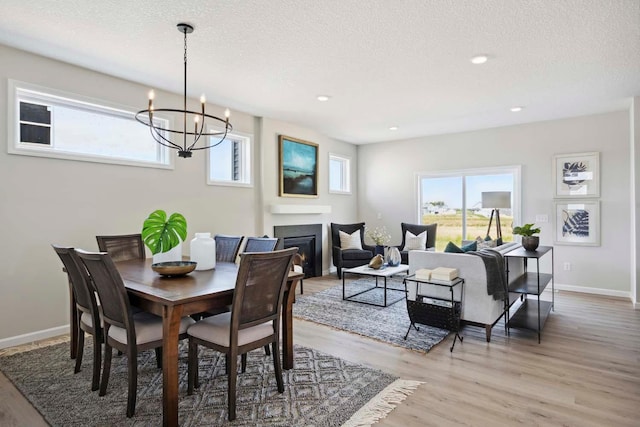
column 308, row 239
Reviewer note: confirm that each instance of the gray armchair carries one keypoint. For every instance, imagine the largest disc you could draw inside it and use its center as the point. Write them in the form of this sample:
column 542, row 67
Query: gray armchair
column 416, row 229
column 348, row 258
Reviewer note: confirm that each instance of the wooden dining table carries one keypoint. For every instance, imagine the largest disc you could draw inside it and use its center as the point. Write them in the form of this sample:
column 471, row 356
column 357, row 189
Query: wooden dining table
column 175, row 297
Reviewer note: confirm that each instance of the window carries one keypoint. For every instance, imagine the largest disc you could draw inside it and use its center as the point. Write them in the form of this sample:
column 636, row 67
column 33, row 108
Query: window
column 453, row 200
column 51, row 123
column 229, row 163
column 339, row 174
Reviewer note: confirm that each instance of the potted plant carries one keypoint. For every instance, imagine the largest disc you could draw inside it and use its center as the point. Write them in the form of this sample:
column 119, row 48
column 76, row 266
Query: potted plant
column 529, row 241
column 379, row 236
column 164, row 236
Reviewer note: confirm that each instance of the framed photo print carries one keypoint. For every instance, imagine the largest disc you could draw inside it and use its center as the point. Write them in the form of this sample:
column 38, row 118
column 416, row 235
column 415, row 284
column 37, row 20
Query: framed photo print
column 577, row 222
column 298, row 167
column 576, row 175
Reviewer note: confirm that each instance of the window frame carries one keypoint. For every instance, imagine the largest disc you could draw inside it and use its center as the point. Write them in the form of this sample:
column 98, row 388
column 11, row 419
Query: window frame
column 516, row 170
column 346, row 173
column 246, row 156
column 27, row 92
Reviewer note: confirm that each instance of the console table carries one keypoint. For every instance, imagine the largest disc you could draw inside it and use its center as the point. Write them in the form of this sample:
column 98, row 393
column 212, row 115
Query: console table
column 533, row 312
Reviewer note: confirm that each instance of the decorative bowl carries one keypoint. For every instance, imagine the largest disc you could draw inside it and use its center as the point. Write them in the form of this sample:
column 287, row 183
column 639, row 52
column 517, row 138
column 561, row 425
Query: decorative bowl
column 174, row 268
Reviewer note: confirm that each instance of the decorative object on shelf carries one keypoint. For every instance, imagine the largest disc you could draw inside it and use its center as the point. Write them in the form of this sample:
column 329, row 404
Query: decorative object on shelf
column 174, row 268
column 529, row 241
column 203, row 251
column 577, row 222
column 162, row 135
column 376, row 262
column 298, row 167
column 378, row 235
column 496, row 200
column 576, row 175
column 393, row 256
column 164, row 236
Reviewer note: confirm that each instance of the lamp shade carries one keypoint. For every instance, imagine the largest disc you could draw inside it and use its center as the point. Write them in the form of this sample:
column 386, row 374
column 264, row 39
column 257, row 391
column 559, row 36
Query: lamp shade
column 496, row 199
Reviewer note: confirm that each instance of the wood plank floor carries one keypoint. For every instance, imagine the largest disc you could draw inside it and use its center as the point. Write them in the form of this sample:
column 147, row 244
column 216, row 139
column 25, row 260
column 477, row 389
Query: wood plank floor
column 586, row 371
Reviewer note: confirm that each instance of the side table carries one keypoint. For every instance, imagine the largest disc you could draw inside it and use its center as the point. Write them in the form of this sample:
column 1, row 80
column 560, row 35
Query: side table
column 435, row 311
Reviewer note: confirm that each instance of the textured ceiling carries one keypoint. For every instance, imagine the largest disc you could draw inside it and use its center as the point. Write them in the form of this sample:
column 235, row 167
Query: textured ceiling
column 384, row 63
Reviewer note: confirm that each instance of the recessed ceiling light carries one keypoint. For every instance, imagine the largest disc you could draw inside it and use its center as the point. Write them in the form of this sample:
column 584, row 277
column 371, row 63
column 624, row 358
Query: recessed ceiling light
column 393, row 128
column 516, row 109
column 323, row 98
column 479, row 59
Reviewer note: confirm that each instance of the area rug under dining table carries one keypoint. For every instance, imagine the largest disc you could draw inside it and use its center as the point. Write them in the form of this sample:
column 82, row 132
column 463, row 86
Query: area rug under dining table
column 388, row 324
column 321, row 390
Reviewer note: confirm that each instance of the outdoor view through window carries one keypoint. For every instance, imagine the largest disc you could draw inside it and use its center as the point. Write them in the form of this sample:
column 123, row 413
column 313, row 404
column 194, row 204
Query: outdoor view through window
column 454, row 202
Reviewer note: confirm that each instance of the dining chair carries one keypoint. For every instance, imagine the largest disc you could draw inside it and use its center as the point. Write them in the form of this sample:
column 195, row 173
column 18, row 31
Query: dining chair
column 297, row 267
column 227, row 247
column 122, row 247
column 123, row 330
column 254, row 320
column 88, row 313
column 261, row 244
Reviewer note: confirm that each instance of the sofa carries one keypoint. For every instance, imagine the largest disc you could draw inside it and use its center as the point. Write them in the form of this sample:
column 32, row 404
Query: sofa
column 478, row 307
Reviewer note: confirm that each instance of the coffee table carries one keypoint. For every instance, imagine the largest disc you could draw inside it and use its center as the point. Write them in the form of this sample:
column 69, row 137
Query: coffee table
column 365, row 270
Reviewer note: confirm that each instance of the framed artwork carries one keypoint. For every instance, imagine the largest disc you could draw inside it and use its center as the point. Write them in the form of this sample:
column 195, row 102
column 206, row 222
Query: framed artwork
column 298, row 167
column 577, row 222
column 576, row 175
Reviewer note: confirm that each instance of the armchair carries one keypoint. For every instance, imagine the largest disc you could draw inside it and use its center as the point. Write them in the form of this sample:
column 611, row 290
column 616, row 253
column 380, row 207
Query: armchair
column 416, row 229
column 348, row 258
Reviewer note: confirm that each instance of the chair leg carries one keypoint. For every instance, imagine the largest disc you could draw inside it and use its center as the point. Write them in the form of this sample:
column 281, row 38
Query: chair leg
column 159, row 357
column 243, row 363
column 339, row 273
column 488, row 332
column 192, row 366
column 97, row 361
column 277, row 366
column 79, row 351
column 232, row 365
column 266, row 350
column 132, row 365
column 106, row 369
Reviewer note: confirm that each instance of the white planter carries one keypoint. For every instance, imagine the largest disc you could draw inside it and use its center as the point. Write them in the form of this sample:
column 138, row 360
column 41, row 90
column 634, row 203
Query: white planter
column 203, row 251
column 174, row 254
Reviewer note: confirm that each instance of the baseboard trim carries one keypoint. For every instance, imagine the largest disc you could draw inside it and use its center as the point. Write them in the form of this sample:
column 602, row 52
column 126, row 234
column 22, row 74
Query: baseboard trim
column 34, row 336
column 595, row 291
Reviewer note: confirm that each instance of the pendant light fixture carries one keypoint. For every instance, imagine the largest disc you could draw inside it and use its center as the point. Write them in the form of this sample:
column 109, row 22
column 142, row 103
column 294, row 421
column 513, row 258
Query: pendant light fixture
column 198, row 119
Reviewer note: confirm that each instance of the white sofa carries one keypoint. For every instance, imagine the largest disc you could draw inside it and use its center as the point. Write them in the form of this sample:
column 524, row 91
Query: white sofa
column 478, row 307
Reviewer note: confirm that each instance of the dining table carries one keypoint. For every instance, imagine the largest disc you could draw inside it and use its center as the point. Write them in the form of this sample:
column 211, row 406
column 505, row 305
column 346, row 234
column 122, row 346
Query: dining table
column 172, row 297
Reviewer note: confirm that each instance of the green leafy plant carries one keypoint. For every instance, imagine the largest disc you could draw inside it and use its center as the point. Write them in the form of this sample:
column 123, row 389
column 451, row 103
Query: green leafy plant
column 161, row 234
column 526, row 230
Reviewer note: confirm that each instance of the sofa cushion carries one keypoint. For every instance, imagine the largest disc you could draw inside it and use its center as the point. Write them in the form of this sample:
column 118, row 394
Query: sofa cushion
column 350, row 241
column 411, row 241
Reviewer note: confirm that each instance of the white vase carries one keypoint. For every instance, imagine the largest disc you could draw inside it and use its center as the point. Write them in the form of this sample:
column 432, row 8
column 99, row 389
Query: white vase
column 203, row 251
column 174, row 254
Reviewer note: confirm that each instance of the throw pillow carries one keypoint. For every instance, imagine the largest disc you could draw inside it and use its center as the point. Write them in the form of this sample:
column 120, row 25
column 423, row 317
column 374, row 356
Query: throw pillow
column 411, row 241
column 486, row 243
column 453, row 248
column 350, row 241
column 471, row 247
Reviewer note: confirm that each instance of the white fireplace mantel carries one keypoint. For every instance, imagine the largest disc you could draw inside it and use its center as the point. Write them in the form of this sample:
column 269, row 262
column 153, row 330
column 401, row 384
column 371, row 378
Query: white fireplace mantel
column 300, row 209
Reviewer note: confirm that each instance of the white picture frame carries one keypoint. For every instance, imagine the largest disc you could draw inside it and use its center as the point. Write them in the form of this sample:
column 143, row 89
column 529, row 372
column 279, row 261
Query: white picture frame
column 577, row 222
column 576, row 175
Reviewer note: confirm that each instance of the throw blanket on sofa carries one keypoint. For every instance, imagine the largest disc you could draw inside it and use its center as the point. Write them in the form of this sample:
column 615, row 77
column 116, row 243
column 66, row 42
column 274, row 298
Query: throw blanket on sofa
column 496, row 275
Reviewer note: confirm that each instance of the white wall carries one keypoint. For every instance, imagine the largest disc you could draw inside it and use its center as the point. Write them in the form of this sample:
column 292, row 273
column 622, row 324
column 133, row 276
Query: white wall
column 635, row 197
column 386, row 183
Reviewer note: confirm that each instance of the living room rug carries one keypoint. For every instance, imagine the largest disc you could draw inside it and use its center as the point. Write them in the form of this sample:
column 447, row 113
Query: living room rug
column 388, row 324
column 321, row 390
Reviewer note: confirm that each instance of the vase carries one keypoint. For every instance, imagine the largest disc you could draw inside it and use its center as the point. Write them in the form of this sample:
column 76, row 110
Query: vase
column 530, row 243
column 378, row 250
column 174, row 254
column 393, row 256
column 202, row 250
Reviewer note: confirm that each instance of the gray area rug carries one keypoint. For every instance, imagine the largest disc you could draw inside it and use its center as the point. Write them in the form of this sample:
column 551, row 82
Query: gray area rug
column 321, row 390
column 388, row 324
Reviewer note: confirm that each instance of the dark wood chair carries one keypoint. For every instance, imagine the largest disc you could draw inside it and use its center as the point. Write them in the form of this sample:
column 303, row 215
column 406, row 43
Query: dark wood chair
column 254, row 320
column 122, row 247
column 417, row 229
column 123, row 330
column 227, row 247
column 260, row 244
column 348, row 258
column 297, row 266
column 88, row 314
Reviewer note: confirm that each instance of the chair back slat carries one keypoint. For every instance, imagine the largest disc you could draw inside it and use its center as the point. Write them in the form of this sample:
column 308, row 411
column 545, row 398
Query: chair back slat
column 122, row 247
column 83, row 290
column 227, row 247
column 261, row 244
column 260, row 287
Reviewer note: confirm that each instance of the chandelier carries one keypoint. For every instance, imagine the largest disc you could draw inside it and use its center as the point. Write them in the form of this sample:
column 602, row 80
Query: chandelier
column 199, row 118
